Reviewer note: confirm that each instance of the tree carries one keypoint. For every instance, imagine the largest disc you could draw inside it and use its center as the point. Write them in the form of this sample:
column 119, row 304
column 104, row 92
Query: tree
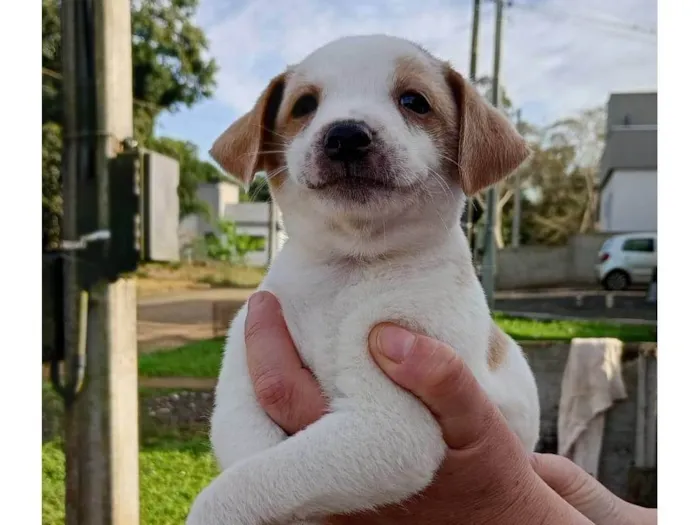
column 170, row 66
column 259, row 191
column 52, row 110
column 170, row 70
column 169, row 60
column 51, row 198
column 561, row 178
column 193, row 171
column 586, row 133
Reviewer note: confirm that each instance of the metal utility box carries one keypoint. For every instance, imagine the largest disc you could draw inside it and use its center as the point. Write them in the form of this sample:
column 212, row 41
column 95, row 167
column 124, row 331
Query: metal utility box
column 161, row 208
column 144, row 209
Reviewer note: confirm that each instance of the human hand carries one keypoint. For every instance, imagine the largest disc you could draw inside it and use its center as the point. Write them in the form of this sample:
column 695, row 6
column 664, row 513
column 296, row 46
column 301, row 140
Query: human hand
column 586, row 494
column 487, row 477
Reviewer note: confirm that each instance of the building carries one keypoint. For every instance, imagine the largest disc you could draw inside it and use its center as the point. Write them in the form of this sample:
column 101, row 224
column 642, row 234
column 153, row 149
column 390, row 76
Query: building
column 251, row 218
column 628, row 182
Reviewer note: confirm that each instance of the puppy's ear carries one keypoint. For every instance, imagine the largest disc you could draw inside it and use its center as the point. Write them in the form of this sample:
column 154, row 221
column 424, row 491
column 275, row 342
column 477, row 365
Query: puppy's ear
column 240, row 149
column 489, row 146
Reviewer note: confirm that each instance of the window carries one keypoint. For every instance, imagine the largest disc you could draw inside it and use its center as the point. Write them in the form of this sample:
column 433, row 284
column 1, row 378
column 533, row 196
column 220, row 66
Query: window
column 638, row 245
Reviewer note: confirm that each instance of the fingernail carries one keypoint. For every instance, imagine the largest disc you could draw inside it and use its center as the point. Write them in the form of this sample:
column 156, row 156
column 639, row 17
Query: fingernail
column 395, row 343
column 255, row 300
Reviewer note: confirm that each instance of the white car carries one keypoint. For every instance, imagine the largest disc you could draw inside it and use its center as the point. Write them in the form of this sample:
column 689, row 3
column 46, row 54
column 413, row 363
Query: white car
column 627, row 259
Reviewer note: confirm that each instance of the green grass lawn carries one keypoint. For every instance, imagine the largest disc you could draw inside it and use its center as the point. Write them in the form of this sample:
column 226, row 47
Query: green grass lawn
column 203, row 358
column 175, row 459
column 172, row 474
column 528, row 330
column 199, row 359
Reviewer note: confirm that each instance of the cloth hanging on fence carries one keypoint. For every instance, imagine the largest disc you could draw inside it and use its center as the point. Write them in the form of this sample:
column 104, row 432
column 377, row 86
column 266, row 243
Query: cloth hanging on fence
column 591, row 384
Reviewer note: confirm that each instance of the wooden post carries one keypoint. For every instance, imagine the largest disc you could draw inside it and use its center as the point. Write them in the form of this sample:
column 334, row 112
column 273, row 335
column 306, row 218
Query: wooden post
column 272, row 232
column 102, row 422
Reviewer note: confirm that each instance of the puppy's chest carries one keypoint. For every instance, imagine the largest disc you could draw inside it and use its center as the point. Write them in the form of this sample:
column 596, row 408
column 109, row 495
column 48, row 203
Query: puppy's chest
column 327, row 310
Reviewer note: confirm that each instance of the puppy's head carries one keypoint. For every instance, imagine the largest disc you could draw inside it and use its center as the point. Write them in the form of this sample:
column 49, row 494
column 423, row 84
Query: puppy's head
column 368, row 130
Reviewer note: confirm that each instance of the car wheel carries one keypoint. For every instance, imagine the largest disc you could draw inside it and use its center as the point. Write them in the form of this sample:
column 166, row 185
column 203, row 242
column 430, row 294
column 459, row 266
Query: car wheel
column 616, row 280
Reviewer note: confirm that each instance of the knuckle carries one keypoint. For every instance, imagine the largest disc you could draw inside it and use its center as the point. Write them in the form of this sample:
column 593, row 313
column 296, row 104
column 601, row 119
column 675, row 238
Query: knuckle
column 448, row 374
column 254, row 330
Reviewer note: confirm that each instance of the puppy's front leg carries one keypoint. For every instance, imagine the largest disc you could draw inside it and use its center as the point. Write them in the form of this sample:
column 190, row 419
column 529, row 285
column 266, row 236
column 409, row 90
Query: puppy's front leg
column 355, row 458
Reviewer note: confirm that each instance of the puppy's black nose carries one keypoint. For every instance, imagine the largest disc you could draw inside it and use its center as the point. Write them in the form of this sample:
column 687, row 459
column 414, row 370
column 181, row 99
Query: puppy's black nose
column 347, row 141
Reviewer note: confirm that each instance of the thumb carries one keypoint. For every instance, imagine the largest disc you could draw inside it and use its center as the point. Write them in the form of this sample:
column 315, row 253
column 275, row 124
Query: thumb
column 434, row 373
column 586, row 494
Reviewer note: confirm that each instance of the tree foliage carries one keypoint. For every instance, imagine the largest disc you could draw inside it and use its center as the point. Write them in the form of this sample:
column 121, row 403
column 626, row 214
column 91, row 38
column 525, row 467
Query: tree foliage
column 171, row 70
column 559, row 181
column 259, row 191
column 51, row 199
column 228, row 245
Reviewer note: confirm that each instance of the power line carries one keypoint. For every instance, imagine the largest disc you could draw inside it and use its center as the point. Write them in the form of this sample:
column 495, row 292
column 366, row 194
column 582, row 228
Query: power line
column 610, row 24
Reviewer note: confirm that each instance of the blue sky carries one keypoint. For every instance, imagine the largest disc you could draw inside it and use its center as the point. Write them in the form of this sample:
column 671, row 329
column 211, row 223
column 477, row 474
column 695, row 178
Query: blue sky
column 559, row 56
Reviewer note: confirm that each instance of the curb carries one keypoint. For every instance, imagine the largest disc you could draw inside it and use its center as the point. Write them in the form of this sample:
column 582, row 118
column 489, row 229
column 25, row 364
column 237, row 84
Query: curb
column 536, row 316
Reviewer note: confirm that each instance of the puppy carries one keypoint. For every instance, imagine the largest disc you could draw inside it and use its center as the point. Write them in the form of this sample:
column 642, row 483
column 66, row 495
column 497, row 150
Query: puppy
column 369, row 145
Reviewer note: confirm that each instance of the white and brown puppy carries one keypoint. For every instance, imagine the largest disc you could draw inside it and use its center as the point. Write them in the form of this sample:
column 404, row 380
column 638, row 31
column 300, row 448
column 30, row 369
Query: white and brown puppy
column 369, row 145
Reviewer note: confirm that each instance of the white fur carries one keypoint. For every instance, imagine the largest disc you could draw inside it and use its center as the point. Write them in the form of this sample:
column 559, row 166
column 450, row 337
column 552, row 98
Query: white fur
column 410, row 264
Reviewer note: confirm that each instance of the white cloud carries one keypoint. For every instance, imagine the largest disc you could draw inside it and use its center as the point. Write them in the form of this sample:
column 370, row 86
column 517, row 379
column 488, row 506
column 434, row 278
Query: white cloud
column 558, row 55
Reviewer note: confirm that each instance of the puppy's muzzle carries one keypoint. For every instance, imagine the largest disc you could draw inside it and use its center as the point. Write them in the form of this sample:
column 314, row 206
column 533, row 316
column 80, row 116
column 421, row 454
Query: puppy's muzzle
column 347, row 141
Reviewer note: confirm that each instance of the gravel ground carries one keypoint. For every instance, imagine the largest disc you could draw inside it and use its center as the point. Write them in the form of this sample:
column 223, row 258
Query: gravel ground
column 178, row 408
column 160, row 412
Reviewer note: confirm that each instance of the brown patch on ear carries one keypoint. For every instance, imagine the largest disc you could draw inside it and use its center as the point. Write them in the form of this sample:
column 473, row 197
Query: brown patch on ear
column 240, row 150
column 489, row 146
column 498, row 347
column 413, row 74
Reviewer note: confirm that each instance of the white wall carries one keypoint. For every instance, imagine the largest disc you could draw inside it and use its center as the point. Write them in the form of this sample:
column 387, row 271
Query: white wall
column 218, row 196
column 628, row 202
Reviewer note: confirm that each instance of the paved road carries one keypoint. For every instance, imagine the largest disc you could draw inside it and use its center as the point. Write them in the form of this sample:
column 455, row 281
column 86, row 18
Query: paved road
column 626, row 305
column 176, row 319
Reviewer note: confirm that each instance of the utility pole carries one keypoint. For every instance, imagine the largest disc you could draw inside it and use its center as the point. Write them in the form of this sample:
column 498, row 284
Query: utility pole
column 489, row 266
column 472, row 78
column 272, row 233
column 101, row 433
column 515, row 242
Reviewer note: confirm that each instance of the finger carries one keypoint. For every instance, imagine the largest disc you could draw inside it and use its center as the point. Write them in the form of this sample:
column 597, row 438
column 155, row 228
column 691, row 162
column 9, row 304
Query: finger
column 433, row 372
column 587, row 495
column 287, row 390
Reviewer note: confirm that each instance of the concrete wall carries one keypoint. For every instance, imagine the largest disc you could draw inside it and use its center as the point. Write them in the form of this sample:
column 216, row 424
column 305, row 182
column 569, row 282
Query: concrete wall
column 218, row 196
column 544, row 266
column 548, row 362
column 532, row 267
column 628, row 202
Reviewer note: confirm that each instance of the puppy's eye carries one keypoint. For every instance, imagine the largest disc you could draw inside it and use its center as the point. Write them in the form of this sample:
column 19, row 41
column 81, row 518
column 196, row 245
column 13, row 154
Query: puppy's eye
column 414, row 102
column 305, row 105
